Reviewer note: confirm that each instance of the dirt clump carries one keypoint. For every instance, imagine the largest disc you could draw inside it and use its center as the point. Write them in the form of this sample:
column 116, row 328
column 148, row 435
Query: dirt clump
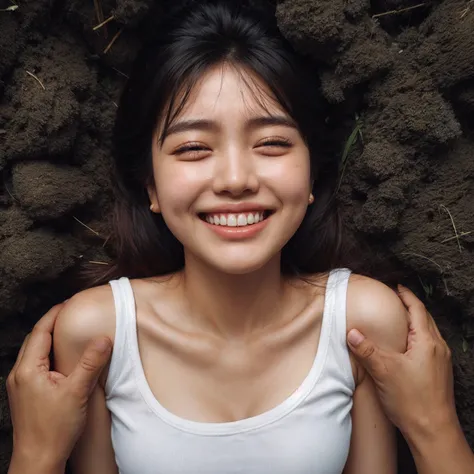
column 48, row 191
column 395, row 75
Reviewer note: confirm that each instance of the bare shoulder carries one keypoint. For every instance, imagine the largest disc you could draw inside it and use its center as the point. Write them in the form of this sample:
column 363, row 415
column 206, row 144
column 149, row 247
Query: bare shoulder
column 85, row 316
column 376, row 310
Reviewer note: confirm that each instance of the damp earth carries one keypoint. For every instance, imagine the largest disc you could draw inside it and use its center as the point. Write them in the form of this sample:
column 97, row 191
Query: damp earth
column 396, row 80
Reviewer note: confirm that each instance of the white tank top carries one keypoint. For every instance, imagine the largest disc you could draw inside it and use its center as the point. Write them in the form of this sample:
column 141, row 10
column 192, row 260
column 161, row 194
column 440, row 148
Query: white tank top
column 308, row 433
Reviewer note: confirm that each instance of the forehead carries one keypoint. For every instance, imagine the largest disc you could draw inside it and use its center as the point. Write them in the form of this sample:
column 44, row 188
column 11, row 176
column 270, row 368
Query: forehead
column 227, row 89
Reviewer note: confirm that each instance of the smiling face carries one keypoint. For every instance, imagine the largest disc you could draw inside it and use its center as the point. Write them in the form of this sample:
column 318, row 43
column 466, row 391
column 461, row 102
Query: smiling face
column 232, row 176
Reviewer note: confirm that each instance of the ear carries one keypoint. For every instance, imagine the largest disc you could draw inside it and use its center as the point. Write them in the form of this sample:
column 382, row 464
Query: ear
column 152, row 195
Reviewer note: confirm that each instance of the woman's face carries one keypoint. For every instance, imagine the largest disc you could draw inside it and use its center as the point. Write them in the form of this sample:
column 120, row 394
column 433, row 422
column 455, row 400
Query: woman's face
column 232, row 178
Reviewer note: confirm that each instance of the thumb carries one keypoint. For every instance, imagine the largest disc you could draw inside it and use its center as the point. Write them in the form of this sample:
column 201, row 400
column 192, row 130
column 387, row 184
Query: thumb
column 95, row 357
column 366, row 352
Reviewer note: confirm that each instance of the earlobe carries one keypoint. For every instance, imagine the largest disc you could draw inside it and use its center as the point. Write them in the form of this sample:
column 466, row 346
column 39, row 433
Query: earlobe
column 154, row 206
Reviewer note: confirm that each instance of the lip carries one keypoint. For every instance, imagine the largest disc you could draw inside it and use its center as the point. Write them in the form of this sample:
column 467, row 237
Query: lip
column 238, row 233
column 236, row 208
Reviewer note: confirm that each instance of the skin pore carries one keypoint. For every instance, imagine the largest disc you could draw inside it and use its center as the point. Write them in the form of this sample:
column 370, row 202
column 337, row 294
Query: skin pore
column 229, row 337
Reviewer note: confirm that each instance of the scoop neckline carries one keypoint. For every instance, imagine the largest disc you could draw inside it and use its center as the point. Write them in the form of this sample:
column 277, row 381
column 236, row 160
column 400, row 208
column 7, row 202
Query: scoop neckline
column 246, row 424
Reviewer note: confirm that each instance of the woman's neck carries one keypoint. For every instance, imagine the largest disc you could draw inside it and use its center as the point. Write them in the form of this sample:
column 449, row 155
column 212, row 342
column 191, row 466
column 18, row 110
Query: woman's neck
column 234, row 306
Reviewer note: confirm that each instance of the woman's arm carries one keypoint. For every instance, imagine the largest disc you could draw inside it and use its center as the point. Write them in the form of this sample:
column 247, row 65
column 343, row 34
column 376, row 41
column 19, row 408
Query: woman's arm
column 373, row 444
column 84, row 317
column 47, row 408
column 377, row 310
column 416, row 390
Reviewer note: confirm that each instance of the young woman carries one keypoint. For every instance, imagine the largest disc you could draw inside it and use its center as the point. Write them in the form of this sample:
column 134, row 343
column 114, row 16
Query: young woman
column 230, row 348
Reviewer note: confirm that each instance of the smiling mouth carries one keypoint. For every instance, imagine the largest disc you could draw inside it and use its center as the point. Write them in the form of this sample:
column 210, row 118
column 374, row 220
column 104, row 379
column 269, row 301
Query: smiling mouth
column 241, row 219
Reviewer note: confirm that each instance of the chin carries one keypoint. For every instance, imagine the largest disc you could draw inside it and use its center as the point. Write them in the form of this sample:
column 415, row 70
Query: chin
column 239, row 264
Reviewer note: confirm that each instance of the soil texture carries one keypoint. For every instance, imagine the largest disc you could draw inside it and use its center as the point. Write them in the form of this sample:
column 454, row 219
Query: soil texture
column 397, row 81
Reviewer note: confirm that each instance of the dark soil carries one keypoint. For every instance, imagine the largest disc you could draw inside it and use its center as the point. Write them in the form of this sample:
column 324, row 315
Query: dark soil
column 405, row 79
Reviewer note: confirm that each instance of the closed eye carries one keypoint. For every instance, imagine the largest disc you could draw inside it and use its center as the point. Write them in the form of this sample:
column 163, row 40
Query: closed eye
column 192, row 151
column 277, row 142
column 274, row 146
column 190, row 147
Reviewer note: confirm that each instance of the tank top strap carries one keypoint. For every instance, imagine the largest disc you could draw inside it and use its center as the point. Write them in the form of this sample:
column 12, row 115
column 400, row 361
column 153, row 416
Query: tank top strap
column 336, row 312
column 125, row 329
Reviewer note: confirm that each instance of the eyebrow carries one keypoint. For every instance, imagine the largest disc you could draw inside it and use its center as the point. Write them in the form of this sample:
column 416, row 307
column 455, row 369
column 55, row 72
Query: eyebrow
column 212, row 126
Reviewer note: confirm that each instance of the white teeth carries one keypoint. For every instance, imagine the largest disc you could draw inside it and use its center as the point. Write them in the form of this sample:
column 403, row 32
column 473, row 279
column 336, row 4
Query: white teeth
column 232, row 220
column 242, row 220
column 235, row 220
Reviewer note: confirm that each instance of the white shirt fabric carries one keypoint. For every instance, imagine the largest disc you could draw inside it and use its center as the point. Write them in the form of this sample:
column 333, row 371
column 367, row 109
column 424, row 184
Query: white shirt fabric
column 308, row 433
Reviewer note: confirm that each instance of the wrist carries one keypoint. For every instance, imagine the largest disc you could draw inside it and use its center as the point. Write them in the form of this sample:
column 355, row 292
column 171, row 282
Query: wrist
column 26, row 460
column 437, row 432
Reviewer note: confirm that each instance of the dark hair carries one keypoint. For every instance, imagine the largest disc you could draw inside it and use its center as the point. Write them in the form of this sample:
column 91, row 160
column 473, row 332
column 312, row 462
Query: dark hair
column 162, row 76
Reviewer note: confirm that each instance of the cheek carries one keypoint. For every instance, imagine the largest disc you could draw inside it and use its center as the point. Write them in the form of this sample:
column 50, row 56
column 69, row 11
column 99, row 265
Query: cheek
column 177, row 187
column 291, row 181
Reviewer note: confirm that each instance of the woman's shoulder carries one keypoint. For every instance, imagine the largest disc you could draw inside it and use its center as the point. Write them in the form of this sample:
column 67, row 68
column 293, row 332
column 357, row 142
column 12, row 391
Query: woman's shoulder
column 85, row 316
column 91, row 313
column 376, row 310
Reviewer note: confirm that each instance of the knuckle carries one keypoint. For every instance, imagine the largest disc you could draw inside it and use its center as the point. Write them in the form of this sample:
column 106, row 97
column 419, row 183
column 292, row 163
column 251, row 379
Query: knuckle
column 448, row 353
column 432, row 346
column 88, row 364
column 36, row 329
column 10, row 381
column 367, row 352
column 429, row 343
column 22, row 376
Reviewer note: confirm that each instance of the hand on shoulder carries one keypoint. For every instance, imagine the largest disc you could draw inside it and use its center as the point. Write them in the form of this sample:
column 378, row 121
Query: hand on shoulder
column 376, row 310
column 85, row 316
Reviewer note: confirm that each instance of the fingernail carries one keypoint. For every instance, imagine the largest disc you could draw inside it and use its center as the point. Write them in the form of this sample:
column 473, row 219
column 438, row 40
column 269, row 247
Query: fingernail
column 355, row 337
column 102, row 345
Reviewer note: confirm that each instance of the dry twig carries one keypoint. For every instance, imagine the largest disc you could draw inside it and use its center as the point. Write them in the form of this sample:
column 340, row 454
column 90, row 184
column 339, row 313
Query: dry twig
column 456, row 235
column 10, row 194
column 467, row 9
column 462, row 234
column 106, row 240
column 87, row 227
column 114, row 39
column 441, row 269
column 98, row 11
column 35, row 77
column 425, row 258
column 120, row 72
column 100, row 25
column 402, row 10
column 98, row 263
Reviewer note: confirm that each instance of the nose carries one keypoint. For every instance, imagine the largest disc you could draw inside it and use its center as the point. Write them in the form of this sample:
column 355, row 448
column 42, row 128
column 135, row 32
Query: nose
column 235, row 173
